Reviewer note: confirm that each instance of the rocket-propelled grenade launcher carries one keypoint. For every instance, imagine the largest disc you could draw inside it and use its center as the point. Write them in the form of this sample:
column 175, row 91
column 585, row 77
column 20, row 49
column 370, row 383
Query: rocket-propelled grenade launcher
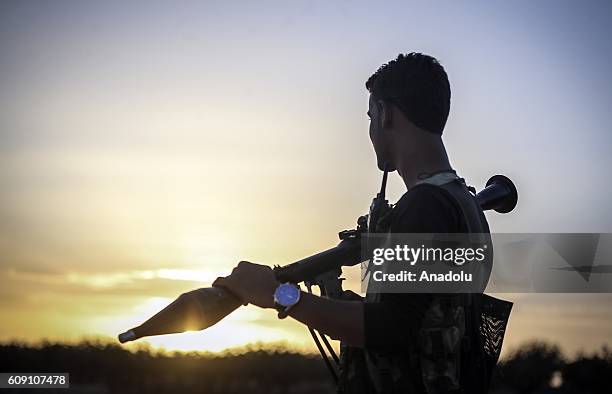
column 202, row 308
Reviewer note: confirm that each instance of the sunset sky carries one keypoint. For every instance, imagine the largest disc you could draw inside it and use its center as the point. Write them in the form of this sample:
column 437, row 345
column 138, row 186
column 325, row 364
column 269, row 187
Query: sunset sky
column 147, row 147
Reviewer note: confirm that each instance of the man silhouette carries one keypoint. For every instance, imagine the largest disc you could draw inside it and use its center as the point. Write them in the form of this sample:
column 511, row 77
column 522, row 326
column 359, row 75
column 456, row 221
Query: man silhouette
column 409, row 104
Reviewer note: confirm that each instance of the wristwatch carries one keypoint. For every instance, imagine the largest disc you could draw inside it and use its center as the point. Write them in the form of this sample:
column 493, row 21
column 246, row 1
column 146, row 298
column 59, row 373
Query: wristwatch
column 286, row 296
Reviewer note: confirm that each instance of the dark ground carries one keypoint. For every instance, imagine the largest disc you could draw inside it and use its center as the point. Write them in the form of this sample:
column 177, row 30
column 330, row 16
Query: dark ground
column 96, row 367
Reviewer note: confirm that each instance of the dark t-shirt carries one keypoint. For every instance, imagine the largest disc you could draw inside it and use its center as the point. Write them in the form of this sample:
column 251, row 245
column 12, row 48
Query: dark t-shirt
column 395, row 319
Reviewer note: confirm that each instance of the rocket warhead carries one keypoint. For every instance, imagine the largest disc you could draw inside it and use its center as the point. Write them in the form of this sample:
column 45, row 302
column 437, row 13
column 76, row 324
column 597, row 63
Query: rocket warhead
column 192, row 311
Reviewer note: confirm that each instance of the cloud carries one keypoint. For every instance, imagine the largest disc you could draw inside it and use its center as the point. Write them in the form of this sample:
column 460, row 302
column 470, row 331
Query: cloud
column 161, row 282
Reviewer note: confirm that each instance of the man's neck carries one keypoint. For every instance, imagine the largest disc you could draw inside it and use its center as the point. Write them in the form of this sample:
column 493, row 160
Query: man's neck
column 422, row 163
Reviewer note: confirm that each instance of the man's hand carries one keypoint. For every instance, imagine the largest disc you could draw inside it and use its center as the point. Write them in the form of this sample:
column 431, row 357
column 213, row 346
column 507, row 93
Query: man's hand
column 252, row 283
column 255, row 284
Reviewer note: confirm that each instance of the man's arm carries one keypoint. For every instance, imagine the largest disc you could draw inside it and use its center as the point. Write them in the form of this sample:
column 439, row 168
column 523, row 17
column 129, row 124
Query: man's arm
column 255, row 284
column 339, row 319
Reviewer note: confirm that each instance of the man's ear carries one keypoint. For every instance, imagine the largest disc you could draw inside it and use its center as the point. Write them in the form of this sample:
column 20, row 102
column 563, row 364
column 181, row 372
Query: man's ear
column 384, row 111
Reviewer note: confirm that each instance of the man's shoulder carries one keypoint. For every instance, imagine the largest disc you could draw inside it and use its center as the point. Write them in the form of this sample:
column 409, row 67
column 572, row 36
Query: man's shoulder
column 426, row 208
column 425, row 195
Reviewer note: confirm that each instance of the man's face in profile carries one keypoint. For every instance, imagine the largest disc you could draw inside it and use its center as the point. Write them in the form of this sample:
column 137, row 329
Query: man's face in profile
column 377, row 133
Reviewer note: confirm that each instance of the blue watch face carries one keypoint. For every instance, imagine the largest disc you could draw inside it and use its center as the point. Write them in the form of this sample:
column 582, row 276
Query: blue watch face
column 287, row 294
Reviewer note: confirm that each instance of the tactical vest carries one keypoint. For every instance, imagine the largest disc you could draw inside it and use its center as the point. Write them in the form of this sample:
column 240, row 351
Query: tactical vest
column 453, row 352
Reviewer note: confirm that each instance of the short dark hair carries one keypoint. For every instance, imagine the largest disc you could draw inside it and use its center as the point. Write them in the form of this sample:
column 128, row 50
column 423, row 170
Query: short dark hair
column 418, row 85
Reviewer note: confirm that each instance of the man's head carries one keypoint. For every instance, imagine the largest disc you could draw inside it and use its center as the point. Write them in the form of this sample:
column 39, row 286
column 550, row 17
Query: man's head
column 409, row 101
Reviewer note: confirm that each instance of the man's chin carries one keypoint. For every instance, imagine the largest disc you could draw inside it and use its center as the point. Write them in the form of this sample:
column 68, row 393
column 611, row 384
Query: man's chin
column 382, row 165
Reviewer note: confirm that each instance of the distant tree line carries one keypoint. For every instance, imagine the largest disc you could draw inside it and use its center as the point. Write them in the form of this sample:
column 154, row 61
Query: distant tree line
column 539, row 368
column 98, row 367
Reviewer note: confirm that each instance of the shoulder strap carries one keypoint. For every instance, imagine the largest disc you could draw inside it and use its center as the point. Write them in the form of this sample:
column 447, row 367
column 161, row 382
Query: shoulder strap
column 463, row 197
